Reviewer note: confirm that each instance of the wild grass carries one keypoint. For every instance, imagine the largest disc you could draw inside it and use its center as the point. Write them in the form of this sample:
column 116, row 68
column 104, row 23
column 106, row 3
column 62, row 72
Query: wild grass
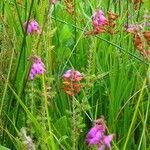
column 115, row 77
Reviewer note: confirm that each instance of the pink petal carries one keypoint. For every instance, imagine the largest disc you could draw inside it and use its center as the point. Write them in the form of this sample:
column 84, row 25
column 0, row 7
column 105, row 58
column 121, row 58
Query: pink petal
column 107, row 140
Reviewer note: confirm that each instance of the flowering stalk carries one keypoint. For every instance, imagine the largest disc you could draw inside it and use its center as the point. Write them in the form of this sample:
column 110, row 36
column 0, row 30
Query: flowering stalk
column 71, row 82
column 96, row 135
column 33, row 27
column 72, row 87
column 37, row 68
column 99, row 22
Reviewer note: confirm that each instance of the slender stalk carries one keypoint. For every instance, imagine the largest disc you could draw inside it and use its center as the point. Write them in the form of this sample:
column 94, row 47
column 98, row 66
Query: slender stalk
column 51, row 142
column 75, row 29
column 73, row 124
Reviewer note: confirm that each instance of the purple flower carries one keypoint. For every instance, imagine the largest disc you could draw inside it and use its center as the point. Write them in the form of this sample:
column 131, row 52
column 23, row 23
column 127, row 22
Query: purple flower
column 107, row 140
column 33, row 27
column 96, row 135
column 99, row 19
column 37, row 68
column 72, row 75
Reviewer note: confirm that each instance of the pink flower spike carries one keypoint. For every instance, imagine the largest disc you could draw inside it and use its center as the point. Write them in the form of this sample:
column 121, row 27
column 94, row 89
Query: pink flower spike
column 33, row 27
column 36, row 68
column 98, row 19
column 94, row 135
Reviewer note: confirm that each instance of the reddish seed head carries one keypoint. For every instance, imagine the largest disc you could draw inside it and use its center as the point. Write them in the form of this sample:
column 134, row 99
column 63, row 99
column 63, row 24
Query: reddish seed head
column 71, row 82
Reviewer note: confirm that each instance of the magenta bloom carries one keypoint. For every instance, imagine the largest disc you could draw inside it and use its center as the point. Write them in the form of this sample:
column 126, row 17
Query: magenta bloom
column 107, row 140
column 33, row 27
column 96, row 136
column 72, row 75
column 99, row 19
column 37, row 68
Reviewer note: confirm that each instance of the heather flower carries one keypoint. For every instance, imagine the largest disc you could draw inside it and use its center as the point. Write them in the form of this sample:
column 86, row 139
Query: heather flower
column 33, row 27
column 37, row 68
column 96, row 136
column 71, row 82
column 72, row 75
column 107, row 140
column 99, row 20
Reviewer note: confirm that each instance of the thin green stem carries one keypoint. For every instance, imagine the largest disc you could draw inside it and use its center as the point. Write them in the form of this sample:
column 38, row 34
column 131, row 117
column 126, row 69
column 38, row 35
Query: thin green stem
column 51, row 142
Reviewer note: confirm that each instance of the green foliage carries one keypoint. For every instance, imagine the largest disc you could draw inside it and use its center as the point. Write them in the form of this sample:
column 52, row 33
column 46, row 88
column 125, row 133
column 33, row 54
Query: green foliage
column 114, row 74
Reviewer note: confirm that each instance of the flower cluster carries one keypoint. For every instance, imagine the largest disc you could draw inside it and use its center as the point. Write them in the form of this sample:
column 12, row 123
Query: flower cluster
column 99, row 21
column 33, row 27
column 96, row 135
column 101, row 24
column 36, row 68
column 71, row 82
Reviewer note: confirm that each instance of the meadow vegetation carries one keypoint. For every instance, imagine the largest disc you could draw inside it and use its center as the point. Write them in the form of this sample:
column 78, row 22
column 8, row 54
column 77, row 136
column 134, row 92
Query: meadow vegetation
column 74, row 74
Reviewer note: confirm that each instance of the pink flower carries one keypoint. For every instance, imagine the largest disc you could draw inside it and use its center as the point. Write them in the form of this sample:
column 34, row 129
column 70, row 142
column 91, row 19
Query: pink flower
column 107, row 140
column 33, row 27
column 71, row 82
column 72, row 75
column 37, row 68
column 99, row 19
column 96, row 135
